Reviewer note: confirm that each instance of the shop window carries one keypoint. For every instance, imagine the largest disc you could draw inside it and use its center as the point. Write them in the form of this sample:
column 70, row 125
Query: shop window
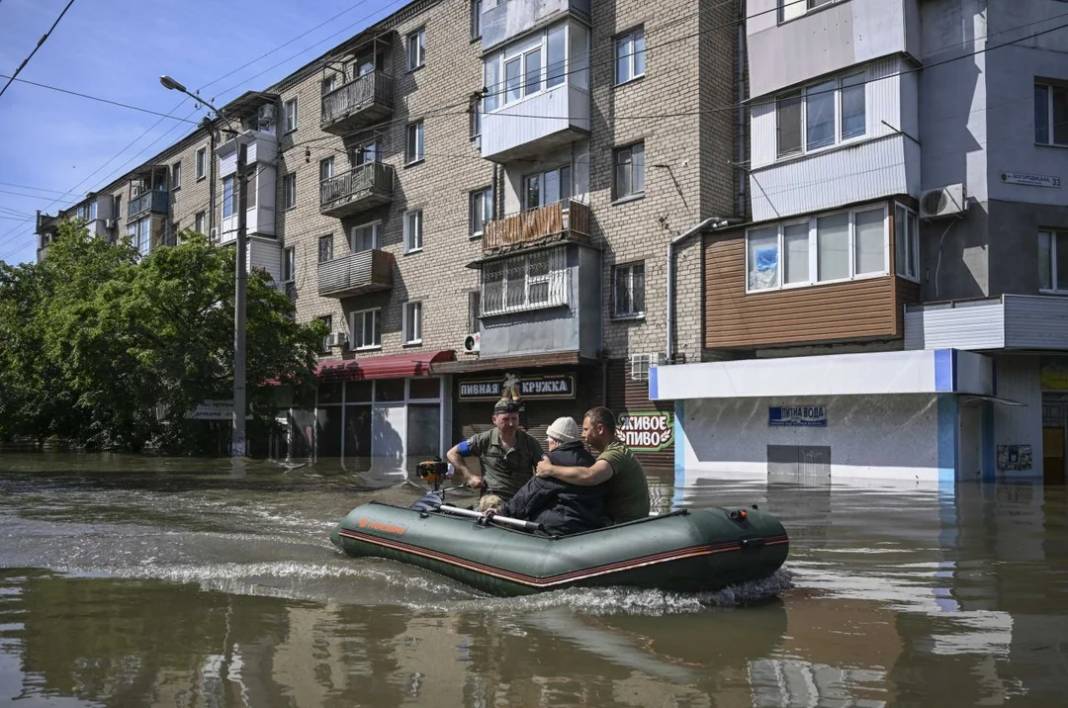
column 359, row 391
column 330, row 392
column 424, row 432
column 389, row 390
column 424, row 388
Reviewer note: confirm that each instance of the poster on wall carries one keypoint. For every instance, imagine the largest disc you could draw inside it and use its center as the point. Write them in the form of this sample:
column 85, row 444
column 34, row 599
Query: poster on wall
column 1013, row 458
column 797, row 416
column 645, row 431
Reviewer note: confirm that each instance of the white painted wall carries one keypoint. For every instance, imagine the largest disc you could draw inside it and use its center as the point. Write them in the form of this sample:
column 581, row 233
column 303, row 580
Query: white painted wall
column 874, row 437
column 1019, row 379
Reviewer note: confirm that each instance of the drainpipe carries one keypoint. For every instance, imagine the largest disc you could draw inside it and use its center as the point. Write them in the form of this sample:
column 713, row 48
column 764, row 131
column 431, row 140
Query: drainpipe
column 210, row 127
column 710, row 222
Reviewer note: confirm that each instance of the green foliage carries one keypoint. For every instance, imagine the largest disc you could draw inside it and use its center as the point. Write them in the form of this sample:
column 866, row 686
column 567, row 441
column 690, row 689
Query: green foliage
column 112, row 351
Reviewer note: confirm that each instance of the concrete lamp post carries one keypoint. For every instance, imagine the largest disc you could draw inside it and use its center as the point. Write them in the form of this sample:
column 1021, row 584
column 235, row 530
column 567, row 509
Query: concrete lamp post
column 237, row 442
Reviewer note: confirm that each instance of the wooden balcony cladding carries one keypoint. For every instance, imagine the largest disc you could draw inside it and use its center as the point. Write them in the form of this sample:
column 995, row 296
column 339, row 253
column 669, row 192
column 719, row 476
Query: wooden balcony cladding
column 362, row 187
column 358, row 103
column 866, row 308
column 154, row 201
column 567, row 220
column 356, row 274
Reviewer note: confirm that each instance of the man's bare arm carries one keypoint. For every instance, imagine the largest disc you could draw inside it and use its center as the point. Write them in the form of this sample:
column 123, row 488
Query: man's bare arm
column 600, row 472
column 468, row 477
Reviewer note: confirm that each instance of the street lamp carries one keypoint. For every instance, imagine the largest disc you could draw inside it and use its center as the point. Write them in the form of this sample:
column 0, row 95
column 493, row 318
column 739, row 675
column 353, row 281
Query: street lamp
column 237, row 442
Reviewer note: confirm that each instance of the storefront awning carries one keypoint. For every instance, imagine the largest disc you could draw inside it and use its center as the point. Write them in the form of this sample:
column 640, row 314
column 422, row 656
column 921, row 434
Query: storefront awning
column 500, row 363
column 392, row 366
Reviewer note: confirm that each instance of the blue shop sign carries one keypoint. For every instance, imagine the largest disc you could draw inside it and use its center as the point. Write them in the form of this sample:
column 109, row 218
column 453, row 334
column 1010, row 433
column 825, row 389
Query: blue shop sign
column 798, row 416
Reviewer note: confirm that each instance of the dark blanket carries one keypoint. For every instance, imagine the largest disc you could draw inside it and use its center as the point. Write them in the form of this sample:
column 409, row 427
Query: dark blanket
column 560, row 508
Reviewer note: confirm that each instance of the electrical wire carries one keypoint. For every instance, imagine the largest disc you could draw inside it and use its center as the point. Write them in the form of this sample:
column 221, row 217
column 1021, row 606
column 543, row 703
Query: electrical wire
column 40, row 42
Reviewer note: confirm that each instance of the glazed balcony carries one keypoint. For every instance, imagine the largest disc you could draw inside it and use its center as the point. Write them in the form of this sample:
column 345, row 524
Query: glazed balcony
column 365, row 100
column 365, row 186
column 562, row 221
column 507, row 20
column 154, row 201
column 356, row 274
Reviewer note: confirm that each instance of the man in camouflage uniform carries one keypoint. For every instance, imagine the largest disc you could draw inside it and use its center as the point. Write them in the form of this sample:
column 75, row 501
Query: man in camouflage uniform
column 506, row 453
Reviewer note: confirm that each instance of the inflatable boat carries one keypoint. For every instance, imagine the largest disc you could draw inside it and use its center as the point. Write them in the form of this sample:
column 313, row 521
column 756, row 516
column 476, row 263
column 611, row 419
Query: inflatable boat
column 684, row 551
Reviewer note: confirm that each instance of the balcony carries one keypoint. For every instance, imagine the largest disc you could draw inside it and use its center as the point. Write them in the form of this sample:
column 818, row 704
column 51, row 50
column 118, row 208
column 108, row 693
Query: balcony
column 506, row 20
column 1009, row 322
column 361, row 188
column 356, row 274
column 562, row 221
column 357, row 104
column 154, row 201
column 529, row 127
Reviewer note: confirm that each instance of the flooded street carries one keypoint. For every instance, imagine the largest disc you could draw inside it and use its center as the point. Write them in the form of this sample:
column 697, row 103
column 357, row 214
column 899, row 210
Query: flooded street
column 133, row 581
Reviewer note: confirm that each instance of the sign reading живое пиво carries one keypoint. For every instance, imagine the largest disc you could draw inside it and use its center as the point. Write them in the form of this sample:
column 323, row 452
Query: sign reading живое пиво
column 645, row 431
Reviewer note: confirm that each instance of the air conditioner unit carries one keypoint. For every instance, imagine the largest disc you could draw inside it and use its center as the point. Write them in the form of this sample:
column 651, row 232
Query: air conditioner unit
column 473, row 343
column 640, row 363
column 336, row 339
column 950, row 200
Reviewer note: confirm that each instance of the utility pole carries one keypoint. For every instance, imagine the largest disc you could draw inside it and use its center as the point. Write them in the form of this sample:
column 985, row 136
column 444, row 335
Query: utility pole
column 237, row 445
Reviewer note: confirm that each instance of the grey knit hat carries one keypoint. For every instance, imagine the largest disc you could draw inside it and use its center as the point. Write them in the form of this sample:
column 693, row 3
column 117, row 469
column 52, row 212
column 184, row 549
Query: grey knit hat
column 564, row 430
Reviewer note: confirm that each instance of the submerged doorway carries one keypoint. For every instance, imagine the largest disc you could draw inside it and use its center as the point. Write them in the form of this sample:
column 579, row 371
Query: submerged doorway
column 1054, row 432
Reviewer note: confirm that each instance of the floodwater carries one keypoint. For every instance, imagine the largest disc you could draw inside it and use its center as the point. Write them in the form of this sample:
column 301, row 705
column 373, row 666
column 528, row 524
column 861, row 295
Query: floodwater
column 130, row 581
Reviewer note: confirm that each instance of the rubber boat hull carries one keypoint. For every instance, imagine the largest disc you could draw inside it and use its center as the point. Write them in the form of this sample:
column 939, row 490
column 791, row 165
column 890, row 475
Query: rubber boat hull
column 686, row 551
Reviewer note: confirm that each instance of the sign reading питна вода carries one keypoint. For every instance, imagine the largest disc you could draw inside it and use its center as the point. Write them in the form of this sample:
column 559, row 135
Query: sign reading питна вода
column 797, row 416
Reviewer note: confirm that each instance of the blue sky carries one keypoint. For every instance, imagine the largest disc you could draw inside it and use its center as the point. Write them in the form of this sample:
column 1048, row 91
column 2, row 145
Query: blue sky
column 52, row 143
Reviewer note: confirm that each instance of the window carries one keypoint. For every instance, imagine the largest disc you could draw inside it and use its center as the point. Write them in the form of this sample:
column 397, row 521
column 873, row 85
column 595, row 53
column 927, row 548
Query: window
column 629, row 289
column 416, row 48
column 365, row 153
column 906, row 243
column 474, row 121
column 824, row 248
column 1051, row 113
column 414, row 147
column 289, row 264
column 790, row 9
column 326, row 248
column 549, row 187
column 118, row 207
column 364, row 237
column 250, row 189
column 329, row 84
column 200, row 222
column 526, row 282
column 629, row 171
column 176, row 176
column 326, row 168
column 476, row 19
column 556, row 51
column 291, row 115
column 201, row 162
column 367, row 329
column 527, row 68
column 229, row 202
column 289, row 190
column 140, row 236
column 630, row 55
column 474, row 309
column 327, row 320
column 480, row 210
column 413, row 230
column 821, row 115
column 413, row 322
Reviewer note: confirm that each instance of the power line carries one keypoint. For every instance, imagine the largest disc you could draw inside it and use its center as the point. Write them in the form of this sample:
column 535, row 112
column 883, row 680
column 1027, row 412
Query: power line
column 94, row 98
column 40, row 41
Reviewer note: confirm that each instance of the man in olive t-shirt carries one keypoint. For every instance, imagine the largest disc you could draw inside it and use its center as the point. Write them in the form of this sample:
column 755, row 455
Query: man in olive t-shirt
column 505, row 452
column 616, row 467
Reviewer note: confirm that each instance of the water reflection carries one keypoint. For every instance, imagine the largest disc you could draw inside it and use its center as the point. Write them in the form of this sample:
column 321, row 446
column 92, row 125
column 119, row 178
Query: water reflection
column 129, row 581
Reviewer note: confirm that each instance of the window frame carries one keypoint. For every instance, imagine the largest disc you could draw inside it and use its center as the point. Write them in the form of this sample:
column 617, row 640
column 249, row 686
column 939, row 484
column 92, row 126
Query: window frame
column 564, row 195
column 813, row 279
column 912, row 242
column 289, row 264
column 230, row 201
column 1051, row 136
column 408, row 233
column 801, row 95
column 328, row 163
column 200, row 222
column 291, row 121
column 635, row 194
column 479, row 198
column 289, row 190
column 376, row 328
column 406, row 320
column 176, row 176
column 420, row 49
column 376, row 232
column 325, row 238
column 520, row 52
column 557, row 274
column 200, row 163
column 629, row 37
column 416, row 128
column 632, row 314
column 476, row 20
column 808, row 7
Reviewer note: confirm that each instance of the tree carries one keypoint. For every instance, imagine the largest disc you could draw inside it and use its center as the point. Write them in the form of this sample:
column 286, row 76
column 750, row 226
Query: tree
column 128, row 347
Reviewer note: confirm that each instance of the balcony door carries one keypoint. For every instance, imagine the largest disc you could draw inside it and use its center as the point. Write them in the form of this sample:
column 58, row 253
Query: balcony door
column 365, row 153
column 549, row 187
column 364, row 237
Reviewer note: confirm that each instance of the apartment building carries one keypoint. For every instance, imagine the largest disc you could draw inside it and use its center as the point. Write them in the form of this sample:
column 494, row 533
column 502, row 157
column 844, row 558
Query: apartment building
column 479, row 199
column 892, row 308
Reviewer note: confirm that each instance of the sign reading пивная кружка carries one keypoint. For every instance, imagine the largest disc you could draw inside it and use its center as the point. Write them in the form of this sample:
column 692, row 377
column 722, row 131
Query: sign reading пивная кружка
column 797, row 416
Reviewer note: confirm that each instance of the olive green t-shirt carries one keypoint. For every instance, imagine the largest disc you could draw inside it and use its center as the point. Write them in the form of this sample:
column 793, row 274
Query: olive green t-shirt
column 628, row 492
column 505, row 471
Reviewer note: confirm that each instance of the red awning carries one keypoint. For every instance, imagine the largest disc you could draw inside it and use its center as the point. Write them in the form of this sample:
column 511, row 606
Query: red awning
column 392, row 366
